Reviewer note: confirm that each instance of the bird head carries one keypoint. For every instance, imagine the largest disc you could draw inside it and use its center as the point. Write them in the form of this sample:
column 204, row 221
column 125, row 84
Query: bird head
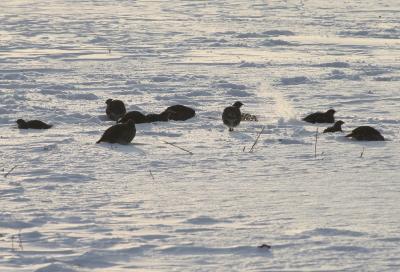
column 108, row 101
column 339, row 123
column 238, row 104
column 20, row 122
column 331, row 111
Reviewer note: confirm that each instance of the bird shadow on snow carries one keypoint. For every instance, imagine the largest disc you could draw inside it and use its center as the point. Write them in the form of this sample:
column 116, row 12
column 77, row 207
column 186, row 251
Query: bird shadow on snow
column 240, row 135
column 362, row 143
column 31, row 131
column 129, row 148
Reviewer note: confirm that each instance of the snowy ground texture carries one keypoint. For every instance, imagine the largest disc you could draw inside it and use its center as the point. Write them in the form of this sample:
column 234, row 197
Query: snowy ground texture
column 72, row 205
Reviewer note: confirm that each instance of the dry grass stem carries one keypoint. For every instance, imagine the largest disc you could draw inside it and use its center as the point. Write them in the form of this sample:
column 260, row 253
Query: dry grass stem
column 12, row 243
column 6, row 174
column 316, row 141
column 181, row 148
column 256, row 141
column 20, row 241
column 151, row 174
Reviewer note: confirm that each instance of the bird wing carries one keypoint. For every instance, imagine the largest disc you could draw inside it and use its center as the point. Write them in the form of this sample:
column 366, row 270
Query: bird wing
column 231, row 113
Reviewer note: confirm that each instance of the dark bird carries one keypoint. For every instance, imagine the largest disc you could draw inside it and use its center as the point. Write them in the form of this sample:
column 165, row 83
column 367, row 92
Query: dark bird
column 37, row 124
column 366, row 133
column 264, row 246
column 336, row 127
column 321, row 117
column 158, row 117
column 232, row 115
column 180, row 112
column 115, row 109
column 120, row 133
column 136, row 116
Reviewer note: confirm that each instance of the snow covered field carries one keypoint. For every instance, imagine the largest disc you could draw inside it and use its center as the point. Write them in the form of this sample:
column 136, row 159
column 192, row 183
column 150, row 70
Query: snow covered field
column 72, row 205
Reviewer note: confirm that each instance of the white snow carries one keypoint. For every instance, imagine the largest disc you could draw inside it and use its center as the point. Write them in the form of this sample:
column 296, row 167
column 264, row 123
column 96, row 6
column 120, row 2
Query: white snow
column 68, row 204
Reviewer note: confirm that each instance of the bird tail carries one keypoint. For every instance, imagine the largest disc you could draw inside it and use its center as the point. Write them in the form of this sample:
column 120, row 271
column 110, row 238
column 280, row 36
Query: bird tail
column 349, row 135
column 99, row 141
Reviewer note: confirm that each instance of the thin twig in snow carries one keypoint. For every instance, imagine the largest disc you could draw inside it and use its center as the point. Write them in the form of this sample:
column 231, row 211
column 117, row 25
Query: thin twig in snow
column 12, row 242
column 316, row 141
column 151, row 174
column 20, row 241
column 6, row 174
column 362, row 152
column 255, row 142
column 181, row 148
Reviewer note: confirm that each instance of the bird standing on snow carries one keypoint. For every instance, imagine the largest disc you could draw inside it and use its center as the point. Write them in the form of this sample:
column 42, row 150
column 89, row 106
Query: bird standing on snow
column 37, row 124
column 120, row 133
column 115, row 109
column 232, row 115
column 336, row 127
column 321, row 117
column 366, row 133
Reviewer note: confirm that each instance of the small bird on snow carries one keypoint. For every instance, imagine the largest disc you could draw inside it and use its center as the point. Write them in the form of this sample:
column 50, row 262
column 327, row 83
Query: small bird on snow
column 136, row 116
column 120, row 133
column 158, row 117
column 232, row 115
column 321, row 117
column 36, row 124
column 180, row 112
column 366, row 133
column 115, row 109
column 336, row 127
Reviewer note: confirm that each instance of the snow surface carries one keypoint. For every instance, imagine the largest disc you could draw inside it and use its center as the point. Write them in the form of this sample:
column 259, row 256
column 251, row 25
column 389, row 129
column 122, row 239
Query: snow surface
column 72, row 205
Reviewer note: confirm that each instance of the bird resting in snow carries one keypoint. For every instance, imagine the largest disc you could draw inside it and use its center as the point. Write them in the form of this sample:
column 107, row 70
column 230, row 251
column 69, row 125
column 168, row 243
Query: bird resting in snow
column 36, row 124
column 321, row 117
column 366, row 133
column 120, row 133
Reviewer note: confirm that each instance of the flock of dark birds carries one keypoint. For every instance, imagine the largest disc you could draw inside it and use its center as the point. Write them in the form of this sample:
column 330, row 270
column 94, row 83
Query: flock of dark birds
column 362, row 133
column 124, row 131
